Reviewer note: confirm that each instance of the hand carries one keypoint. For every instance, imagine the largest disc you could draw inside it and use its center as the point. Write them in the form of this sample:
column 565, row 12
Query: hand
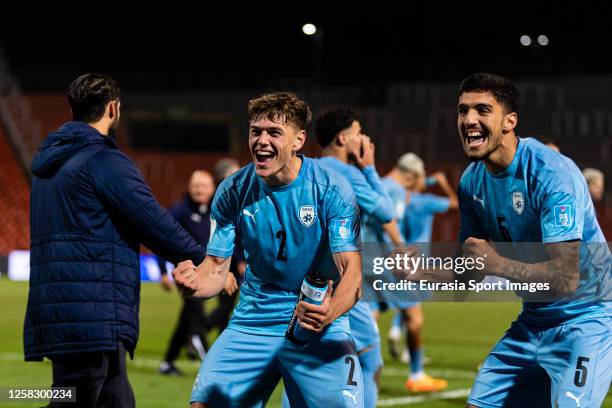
column 315, row 317
column 405, row 269
column 231, row 285
column 367, row 158
column 186, row 278
column 440, row 177
column 166, row 283
column 479, row 248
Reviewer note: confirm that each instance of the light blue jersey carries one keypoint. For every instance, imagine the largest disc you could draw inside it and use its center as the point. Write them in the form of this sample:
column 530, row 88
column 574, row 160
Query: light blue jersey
column 375, row 204
column 541, row 197
column 555, row 354
column 417, row 225
column 371, row 228
column 287, row 232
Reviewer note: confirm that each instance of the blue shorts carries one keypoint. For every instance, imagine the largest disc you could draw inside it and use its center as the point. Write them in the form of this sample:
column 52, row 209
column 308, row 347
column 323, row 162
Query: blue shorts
column 242, row 370
column 363, row 326
column 562, row 366
column 371, row 361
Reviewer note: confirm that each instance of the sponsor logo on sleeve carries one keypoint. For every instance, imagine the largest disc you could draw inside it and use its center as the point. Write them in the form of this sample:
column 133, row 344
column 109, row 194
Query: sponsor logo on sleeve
column 342, row 229
column 563, row 215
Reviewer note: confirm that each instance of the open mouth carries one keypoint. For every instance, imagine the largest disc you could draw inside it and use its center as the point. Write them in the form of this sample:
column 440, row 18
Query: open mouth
column 474, row 138
column 264, row 157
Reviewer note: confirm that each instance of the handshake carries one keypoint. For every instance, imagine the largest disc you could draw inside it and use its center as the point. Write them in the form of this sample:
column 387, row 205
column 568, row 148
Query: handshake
column 199, row 281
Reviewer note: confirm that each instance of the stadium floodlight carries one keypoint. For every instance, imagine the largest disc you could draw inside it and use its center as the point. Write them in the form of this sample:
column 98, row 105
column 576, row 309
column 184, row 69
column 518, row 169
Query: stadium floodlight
column 309, row 29
column 543, row 40
column 525, row 40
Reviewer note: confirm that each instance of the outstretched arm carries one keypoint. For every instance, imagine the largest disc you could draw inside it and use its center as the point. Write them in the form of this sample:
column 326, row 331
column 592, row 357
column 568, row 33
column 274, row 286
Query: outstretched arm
column 205, row 281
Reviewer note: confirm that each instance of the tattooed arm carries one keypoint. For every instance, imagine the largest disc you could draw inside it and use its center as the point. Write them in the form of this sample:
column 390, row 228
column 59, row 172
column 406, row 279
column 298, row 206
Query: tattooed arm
column 561, row 271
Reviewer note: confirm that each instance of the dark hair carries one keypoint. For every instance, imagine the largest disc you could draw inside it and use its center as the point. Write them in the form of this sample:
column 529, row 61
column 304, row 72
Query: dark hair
column 332, row 122
column 89, row 94
column 502, row 89
column 281, row 107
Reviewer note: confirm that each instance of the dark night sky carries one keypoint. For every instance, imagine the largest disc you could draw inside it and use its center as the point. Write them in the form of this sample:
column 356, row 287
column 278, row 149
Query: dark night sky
column 181, row 47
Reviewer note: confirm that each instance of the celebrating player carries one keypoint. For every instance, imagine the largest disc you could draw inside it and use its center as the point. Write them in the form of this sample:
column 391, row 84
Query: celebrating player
column 557, row 353
column 340, row 135
column 295, row 218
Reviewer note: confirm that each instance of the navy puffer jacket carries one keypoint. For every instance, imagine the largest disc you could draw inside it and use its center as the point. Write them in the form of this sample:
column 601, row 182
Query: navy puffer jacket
column 90, row 210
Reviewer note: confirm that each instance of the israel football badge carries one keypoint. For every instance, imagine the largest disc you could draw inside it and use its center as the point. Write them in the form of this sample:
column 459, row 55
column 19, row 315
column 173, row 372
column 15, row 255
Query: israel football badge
column 307, row 215
column 518, row 202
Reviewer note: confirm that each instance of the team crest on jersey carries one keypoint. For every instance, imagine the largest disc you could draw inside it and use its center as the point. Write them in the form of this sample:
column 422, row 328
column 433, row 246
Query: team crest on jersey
column 518, row 202
column 307, row 215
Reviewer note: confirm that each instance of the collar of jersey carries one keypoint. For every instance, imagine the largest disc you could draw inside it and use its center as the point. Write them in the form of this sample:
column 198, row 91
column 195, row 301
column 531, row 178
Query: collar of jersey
column 293, row 184
column 513, row 164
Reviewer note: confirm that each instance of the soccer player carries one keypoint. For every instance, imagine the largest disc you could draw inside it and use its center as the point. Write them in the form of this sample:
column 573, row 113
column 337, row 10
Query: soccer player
column 415, row 216
column 595, row 181
column 557, row 353
column 350, row 153
column 295, row 218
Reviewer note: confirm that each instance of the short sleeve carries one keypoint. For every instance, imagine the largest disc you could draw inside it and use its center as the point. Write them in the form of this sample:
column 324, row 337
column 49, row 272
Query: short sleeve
column 436, row 204
column 343, row 221
column 222, row 224
column 561, row 218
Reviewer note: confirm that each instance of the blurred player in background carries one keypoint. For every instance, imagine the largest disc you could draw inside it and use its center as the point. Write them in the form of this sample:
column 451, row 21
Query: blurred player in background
column 350, row 153
column 295, row 219
column 558, row 352
column 595, row 180
column 415, row 212
column 193, row 213
column 90, row 210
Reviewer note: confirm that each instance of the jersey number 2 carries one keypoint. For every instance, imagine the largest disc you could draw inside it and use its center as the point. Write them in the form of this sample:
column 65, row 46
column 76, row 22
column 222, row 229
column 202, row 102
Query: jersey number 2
column 281, row 249
column 351, row 361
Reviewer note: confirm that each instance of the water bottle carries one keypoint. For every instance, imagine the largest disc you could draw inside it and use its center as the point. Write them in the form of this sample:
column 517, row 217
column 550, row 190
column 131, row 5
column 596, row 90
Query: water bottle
column 314, row 289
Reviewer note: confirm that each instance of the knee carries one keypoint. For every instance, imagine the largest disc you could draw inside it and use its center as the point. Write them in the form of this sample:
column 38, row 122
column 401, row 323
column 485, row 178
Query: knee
column 415, row 323
column 377, row 375
column 197, row 405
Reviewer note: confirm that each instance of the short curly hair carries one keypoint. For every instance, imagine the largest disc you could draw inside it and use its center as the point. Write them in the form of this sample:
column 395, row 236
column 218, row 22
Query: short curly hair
column 501, row 88
column 281, row 107
column 332, row 122
column 89, row 94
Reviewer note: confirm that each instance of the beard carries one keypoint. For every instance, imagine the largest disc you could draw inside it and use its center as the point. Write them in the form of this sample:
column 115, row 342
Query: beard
column 112, row 130
column 491, row 143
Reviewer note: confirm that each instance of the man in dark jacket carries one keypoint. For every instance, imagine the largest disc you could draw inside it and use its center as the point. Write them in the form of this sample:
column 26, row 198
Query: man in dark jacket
column 90, row 210
column 193, row 213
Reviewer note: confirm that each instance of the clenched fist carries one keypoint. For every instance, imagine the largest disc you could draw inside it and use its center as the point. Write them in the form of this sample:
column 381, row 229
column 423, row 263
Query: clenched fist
column 186, row 278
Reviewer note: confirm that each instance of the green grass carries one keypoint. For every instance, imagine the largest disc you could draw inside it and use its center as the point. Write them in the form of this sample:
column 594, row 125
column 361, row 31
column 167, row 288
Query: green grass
column 457, row 337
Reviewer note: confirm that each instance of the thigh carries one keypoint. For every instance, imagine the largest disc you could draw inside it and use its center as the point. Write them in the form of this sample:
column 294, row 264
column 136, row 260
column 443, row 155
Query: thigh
column 364, row 328
column 324, row 373
column 116, row 391
column 240, row 370
column 510, row 376
column 578, row 357
column 85, row 371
